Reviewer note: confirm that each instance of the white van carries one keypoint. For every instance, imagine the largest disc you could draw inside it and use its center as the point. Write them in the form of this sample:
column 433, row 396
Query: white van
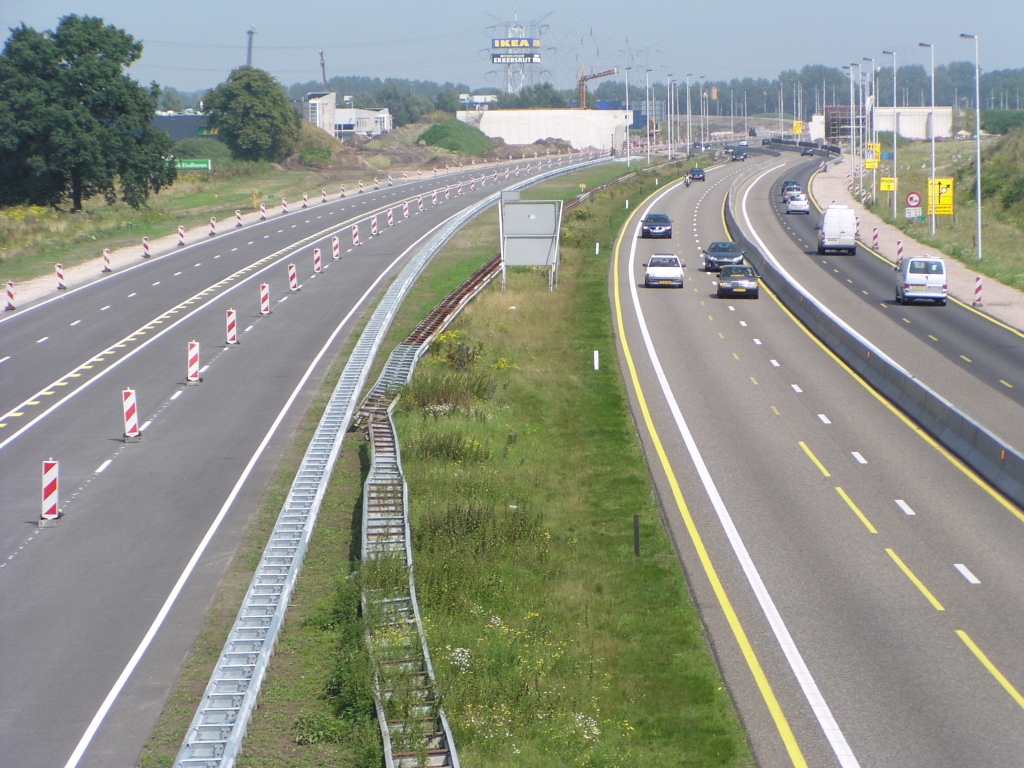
column 921, row 277
column 838, row 230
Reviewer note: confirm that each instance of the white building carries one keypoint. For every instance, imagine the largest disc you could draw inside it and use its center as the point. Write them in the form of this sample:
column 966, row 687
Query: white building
column 913, row 122
column 321, row 110
column 598, row 128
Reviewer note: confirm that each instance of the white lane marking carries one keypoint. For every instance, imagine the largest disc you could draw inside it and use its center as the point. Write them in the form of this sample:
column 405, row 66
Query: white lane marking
column 75, row 323
column 145, row 425
column 732, row 308
column 216, row 257
column 796, row 388
column 104, row 309
column 176, row 274
column 203, row 369
column 281, row 230
column 232, row 250
column 860, row 459
column 101, row 467
column 249, row 243
column 5, row 359
column 824, row 418
column 757, row 342
column 247, row 329
column 156, row 283
column 743, row 323
column 176, row 395
column 814, row 697
column 266, row 236
column 775, row 363
column 132, row 295
column 905, row 507
column 282, row 300
column 40, row 341
column 133, row 662
column 966, row 573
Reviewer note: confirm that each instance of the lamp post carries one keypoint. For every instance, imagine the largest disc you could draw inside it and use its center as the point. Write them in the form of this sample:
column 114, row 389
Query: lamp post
column 668, row 109
column 932, row 202
column 701, row 93
column 895, row 134
column 853, row 150
column 648, row 118
column 977, row 142
column 874, row 138
column 629, row 115
column 688, row 139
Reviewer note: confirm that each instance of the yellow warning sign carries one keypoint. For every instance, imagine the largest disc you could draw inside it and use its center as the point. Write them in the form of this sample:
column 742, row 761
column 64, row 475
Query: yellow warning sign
column 887, row 184
column 871, row 154
column 798, row 127
column 940, row 191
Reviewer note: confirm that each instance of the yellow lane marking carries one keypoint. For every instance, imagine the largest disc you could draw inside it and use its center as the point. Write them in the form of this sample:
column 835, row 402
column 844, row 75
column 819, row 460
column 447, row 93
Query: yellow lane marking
column 753, row 380
column 966, row 358
column 62, row 383
column 17, row 413
column 721, row 335
column 970, row 473
column 711, row 318
column 735, row 356
column 32, row 402
column 776, row 411
column 120, row 346
column 814, row 458
column 905, row 320
column 781, row 724
column 851, row 505
column 4, row 424
column 917, row 582
column 50, row 392
column 933, row 338
column 865, row 293
column 1007, row 685
column 74, row 375
column 86, row 367
column 1006, row 384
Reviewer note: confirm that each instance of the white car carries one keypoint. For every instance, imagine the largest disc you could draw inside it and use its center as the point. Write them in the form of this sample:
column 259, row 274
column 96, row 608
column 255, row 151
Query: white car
column 798, row 204
column 663, row 269
column 921, row 277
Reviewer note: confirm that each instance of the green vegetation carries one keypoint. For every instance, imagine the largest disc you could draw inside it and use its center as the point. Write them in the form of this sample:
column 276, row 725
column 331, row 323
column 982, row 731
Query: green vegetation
column 457, row 136
column 315, row 156
column 253, row 114
column 72, row 123
column 201, row 147
column 1000, row 120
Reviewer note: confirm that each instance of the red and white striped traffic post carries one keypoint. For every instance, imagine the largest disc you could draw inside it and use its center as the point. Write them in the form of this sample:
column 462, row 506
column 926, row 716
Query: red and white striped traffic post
column 263, row 211
column 461, row 168
column 506, row 174
column 517, row 170
column 360, row 186
column 405, row 210
column 305, row 200
column 391, row 218
column 459, row 187
column 193, row 363
column 899, row 251
column 323, row 194
column 264, row 299
column 376, row 183
column 373, row 225
column 419, row 204
column 472, row 185
column 494, row 178
column 419, row 174
column 405, row 177
column 238, row 219
column 435, row 171
column 342, row 192
column 181, row 235
column 284, row 205
column 293, row 279
column 232, row 327
column 447, row 193
column 391, row 181
column 213, row 226
column 145, row 248
column 335, row 248
column 355, row 235
column 61, row 285
column 316, row 261
column 977, row 292
column 131, row 416
column 433, row 197
column 50, row 511
column 874, row 238
column 106, row 261
column 447, row 168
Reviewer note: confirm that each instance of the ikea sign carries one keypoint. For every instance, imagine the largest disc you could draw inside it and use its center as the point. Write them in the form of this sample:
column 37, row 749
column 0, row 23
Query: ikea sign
column 514, row 42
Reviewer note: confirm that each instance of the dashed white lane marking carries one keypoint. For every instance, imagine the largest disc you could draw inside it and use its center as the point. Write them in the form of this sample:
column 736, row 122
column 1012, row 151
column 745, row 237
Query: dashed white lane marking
column 156, row 283
column 280, row 231
column 247, row 329
column 743, row 323
column 198, row 265
column 824, row 418
column 732, row 308
column 102, row 466
column 203, row 369
column 144, row 426
column 249, row 243
column 775, row 363
column 235, row 249
column 75, row 323
column 266, row 236
column 40, row 341
column 133, row 294
column 282, row 300
column 216, row 257
column 905, row 507
column 796, row 388
column 966, row 573
column 5, row 359
column 860, row 459
column 176, row 395
column 104, row 309
column 176, row 274
column 757, row 342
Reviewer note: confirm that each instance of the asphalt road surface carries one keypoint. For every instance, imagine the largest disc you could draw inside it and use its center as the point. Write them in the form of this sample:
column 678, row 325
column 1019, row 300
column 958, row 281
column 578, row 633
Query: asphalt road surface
column 77, row 600
column 859, row 587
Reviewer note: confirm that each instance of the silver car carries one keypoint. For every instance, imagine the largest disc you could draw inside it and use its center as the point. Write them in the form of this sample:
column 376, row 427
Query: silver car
column 663, row 269
column 798, row 204
column 738, row 281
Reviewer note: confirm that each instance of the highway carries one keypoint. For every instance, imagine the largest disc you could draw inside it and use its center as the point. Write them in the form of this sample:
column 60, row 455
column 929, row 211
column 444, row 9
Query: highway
column 99, row 612
column 859, row 589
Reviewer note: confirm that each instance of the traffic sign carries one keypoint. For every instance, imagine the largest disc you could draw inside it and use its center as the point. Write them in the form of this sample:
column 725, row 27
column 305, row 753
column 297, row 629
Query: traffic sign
column 913, row 199
column 887, row 184
column 193, row 165
column 940, row 194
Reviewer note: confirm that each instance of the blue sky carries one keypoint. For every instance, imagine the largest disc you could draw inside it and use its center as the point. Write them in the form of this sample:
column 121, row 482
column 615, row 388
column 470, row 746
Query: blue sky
column 191, row 45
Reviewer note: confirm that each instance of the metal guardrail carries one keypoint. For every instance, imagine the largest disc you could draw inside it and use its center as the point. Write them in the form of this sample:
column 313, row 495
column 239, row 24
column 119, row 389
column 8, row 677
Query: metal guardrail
column 214, row 737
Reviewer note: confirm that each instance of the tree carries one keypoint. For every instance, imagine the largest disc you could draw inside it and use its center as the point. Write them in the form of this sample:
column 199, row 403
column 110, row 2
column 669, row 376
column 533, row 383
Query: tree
column 448, row 101
column 72, row 123
column 253, row 115
column 170, row 101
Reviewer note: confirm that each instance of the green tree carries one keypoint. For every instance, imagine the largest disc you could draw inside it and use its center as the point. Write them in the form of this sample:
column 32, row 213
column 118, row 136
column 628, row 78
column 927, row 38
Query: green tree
column 72, row 123
column 448, row 101
column 253, row 114
column 170, row 101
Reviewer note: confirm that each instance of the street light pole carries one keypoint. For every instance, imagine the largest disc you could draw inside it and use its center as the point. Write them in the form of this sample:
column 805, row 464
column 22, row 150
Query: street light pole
column 648, row 120
column 977, row 142
column 701, row 92
column 668, row 108
column 874, row 138
column 629, row 115
column 932, row 202
column 895, row 135
column 688, row 139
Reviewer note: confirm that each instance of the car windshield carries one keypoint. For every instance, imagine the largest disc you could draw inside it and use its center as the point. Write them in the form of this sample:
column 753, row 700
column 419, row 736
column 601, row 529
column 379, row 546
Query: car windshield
column 657, row 218
column 696, row 170
column 926, row 268
column 664, row 261
column 790, row 183
column 733, row 272
column 723, row 247
column 802, row 198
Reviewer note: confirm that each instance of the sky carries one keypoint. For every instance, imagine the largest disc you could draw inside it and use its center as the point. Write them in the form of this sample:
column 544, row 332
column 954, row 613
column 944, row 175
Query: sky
column 192, row 45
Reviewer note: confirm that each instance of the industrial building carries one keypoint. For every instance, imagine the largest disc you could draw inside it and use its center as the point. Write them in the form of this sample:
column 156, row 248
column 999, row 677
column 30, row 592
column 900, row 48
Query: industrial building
column 598, row 128
column 321, row 110
column 911, row 122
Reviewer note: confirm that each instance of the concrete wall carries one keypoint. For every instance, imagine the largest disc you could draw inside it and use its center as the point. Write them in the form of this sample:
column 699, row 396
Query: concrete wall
column 913, row 121
column 598, row 128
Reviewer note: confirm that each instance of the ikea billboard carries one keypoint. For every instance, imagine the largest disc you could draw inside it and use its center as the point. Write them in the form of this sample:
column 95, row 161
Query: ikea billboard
column 518, row 43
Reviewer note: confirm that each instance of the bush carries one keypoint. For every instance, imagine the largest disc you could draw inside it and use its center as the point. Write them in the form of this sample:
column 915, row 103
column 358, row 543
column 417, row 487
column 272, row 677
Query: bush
column 315, row 157
column 457, row 136
column 200, row 148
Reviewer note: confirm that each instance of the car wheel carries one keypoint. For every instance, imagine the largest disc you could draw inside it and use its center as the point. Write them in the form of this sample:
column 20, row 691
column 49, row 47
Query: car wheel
column 941, row 302
column 898, row 300
column 755, row 294
column 719, row 293
column 647, row 284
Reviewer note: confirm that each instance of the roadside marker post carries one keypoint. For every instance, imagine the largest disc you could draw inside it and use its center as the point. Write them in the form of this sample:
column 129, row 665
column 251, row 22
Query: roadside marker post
column 213, row 226
column 61, row 285
column 355, row 235
column 264, row 299
column 419, row 174
column 50, row 511
column 305, row 200
column 899, row 252
column 193, row 364
column 405, row 177
column 447, row 193
column 391, row 182
column 284, row 205
column 238, row 219
column 263, row 211
column 360, row 186
column 977, row 292
column 131, row 416
column 433, row 197
column 106, row 261
column 494, row 178
column 405, row 209
column 293, row 280
column 459, row 188
column 391, row 218
column 506, row 174
column 472, row 185
column 376, row 183
column 145, row 248
column 419, row 204
column 323, row 194
column 335, row 248
column 342, row 191
column 232, row 328
column 874, row 238
column 181, row 235
column 373, row 225
column 316, row 261
column 517, row 170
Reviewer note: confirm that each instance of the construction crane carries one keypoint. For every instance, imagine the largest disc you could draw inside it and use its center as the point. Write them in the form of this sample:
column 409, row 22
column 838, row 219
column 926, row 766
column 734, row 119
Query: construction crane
column 581, row 82
column 323, row 69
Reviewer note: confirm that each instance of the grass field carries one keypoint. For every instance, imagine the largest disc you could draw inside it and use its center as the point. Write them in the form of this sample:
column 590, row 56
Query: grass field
column 577, row 615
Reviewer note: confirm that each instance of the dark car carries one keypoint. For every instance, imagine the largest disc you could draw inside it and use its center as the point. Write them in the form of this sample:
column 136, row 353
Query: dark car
column 752, row 132
column 766, row 142
column 656, row 225
column 807, row 152
column 739, row 280
column 739, row 154
column 697, row 174
column 787, row 185
column 722, row 253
